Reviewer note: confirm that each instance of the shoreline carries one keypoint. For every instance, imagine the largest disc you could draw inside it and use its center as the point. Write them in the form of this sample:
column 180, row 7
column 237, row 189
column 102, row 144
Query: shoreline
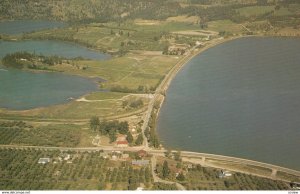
column 173, row 72
column 165, row 83
column 164, row 86
column 177, row 67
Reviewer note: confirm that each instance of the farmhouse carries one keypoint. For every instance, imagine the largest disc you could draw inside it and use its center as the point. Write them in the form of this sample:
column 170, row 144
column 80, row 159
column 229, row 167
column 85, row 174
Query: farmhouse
column 123, row 143
column 178, row 49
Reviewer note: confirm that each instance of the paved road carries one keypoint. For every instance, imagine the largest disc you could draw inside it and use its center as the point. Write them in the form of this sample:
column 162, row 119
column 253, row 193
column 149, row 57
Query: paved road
column 185, row 154
column 157, row 179
column 163, row 86
column 204, row 156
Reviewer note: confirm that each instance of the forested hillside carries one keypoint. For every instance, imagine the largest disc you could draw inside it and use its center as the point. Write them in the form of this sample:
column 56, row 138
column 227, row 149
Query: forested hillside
column 90, row 10
column 118, row 10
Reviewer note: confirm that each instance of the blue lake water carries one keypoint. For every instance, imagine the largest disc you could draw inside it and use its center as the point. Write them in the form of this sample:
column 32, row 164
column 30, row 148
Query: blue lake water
column 25, row 90
column 20, row 26
column 21, row 90
column 240, row 98
column 50, row 47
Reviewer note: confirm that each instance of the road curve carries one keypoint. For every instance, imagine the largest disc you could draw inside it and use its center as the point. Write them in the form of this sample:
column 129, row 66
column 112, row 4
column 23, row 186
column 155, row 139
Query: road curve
column 157, row 179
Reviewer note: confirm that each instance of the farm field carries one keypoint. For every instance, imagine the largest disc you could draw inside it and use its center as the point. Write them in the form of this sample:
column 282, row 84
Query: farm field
column 197, row 177
column 68, row 171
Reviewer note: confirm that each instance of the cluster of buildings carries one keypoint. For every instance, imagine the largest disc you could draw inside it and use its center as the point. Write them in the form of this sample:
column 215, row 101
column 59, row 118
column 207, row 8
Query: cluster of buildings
column 178, row 49
column 140, row 160
column 118, row 155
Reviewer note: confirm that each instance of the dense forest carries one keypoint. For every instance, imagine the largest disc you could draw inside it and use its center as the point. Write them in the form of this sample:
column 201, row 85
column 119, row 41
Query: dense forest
column 119, row 10
column 20, row 60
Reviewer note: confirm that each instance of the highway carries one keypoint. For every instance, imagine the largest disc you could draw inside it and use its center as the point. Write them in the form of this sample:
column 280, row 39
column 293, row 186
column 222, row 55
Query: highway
column 163, row 86
column 157, row 179
column 204, row 157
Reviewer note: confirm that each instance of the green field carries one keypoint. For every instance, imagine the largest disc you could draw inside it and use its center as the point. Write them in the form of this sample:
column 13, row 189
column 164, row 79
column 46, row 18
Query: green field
column 64, row 135
column 255, row 10
column 112, row 36
column 225, row 25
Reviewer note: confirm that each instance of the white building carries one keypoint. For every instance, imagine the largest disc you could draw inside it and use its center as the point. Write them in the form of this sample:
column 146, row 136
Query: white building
column 44, row 160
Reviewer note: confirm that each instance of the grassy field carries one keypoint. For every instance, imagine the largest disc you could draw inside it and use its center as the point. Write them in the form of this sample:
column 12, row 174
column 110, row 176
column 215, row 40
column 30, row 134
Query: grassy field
column 73, row 111
column 130, row 71
column 255, row 10
column 138, row 35
column 261, row 10
column 225, row 25
column 64, row 135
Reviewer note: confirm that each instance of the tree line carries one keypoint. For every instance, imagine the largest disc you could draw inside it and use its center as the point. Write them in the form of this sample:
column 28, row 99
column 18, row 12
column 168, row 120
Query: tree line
column 19, row 60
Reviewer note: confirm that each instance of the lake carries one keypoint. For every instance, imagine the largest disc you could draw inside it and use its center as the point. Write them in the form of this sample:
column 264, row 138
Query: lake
column 21, row 90
column 25, row 90
column 23, row 26
column 241, row 99
column 51, row 47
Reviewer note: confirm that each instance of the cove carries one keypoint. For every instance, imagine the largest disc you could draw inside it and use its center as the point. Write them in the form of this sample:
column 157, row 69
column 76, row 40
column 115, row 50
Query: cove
column 50, row 47
column 241, row 99
column 20, row 90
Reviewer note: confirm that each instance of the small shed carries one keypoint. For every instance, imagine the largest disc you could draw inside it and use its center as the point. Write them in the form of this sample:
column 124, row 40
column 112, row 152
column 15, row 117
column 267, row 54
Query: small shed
column 140, row 162
column 44, row 160
column 224, row 174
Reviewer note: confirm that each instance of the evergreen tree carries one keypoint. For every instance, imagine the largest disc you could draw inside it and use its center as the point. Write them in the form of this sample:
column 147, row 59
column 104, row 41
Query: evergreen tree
column 112, row 135
column 139, row 140
column 94, row 123
column 180, row 177
column 129, row 138
column 177, row 156
column 165, row 170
